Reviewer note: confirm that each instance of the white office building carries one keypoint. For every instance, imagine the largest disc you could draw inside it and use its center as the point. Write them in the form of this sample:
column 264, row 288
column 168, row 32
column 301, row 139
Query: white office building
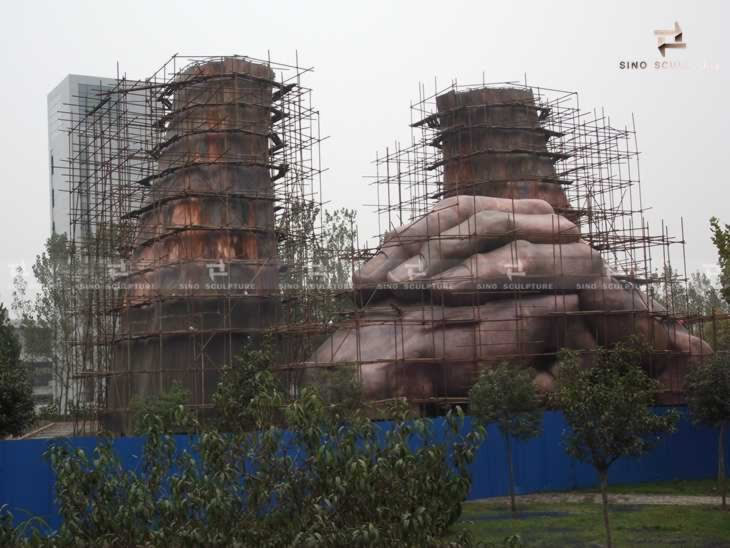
column 73, row 97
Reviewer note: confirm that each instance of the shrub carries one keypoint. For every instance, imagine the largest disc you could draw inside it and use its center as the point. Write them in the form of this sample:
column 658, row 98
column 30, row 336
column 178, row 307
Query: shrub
column 329, row 478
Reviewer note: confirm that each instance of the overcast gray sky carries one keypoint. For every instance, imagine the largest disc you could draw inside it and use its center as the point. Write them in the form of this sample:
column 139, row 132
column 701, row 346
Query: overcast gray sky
column 369, row 58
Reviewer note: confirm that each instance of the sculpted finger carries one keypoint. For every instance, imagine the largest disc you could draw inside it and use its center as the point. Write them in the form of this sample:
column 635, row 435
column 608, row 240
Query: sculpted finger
column 616, row 310
column 418, row 351
column 375, row 271
column 407, row 240
column 681, row 340
column 487, row 230
column 521, row 265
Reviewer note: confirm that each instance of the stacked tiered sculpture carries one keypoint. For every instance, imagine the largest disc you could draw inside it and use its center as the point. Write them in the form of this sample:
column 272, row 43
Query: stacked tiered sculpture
column 495, row 271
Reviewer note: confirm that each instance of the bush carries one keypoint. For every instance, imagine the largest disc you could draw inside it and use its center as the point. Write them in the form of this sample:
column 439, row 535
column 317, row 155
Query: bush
column 164, row 406
column 330, row 478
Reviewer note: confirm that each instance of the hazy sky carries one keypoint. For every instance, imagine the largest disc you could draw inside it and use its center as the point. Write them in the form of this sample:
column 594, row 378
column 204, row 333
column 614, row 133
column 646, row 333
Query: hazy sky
column 369, row 58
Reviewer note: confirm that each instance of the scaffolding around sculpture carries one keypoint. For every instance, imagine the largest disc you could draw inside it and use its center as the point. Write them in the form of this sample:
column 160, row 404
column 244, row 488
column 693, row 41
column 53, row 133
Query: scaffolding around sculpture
column 195, row 207
column 513, row 226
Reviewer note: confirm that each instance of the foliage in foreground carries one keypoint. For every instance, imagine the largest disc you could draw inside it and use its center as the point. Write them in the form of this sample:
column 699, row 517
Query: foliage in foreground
column 608, row 409
column 329, row 479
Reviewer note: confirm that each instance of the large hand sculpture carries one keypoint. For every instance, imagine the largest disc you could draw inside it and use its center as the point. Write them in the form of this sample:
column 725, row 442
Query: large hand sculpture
column 486, row 278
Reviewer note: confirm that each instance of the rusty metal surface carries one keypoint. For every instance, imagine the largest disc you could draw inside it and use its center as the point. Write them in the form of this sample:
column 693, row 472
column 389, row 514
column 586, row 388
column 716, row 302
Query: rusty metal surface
column 203, row 271
column 494, row 145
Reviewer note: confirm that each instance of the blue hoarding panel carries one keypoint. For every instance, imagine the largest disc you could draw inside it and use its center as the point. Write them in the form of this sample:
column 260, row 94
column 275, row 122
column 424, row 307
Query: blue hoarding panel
column 540, row 464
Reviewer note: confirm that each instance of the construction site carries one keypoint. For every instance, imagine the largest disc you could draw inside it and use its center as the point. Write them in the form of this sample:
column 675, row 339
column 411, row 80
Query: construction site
column 511, row 225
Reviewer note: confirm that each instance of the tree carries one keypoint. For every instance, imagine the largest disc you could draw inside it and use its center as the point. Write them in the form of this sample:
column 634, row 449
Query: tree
column 316, row 250
column 721, row 239
column 506, row 396
column 164, row 405
column 708, row 398
column 37, row 343
column 52, row 308
column 721, row 327
column 241, row 384
column 607, row 407
column 336, row 248
column 46, row 320
column 341, row 389
column 16, row 391
column 699, row 296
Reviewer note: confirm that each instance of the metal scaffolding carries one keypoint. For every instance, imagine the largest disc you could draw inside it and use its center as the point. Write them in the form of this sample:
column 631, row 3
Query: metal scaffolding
column 195, row 199
column 196, row 226
column 512, row 141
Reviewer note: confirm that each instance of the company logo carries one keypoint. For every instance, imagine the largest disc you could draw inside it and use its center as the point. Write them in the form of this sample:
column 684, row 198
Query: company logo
column 671, row 38
column 667, row 39
column 217, row 270
column 316, row 273
column 415, row 267
column 117, row 270
column 514, row 270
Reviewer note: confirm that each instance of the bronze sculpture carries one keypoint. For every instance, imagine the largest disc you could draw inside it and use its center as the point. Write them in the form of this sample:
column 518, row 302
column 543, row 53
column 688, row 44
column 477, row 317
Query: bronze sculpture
column 495, row 271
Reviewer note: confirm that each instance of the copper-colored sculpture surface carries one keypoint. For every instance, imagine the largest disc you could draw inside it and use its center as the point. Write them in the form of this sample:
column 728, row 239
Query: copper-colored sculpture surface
column 203, row 273
column 496, row 271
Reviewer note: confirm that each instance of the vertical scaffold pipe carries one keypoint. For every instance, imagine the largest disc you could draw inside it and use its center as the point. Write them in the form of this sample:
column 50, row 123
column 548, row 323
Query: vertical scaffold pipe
column 494, row 144
column 203, row 274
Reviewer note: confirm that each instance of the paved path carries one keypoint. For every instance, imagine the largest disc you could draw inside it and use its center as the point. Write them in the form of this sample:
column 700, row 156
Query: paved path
column 678, row 500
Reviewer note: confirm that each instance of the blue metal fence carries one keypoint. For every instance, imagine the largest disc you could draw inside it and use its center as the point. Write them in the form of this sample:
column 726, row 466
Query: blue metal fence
column 26, row 480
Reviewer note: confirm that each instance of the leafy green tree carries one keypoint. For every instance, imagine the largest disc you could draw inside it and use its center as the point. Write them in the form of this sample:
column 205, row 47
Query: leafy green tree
column 316, row 254
column 251, row 375
column 708, row 398
column 164, row 406
column 719, row 330
column 505, row 395
column 16, row 391
column 46, row 319
column 37, row 342
column 721, row 239
column 608, row 410
column 702, row 296
column 341, row 388
column 241, row 384
column 336, row 250
column 52, row 308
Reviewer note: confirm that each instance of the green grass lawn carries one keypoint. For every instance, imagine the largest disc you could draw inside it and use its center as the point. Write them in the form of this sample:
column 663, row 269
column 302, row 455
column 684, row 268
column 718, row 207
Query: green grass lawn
column 675, row 487
column 582, row 525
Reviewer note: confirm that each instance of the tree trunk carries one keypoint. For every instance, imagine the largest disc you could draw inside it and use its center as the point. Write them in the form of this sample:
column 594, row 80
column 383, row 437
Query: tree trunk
column 603, row 474
column 512, row 504
column 721, row 464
